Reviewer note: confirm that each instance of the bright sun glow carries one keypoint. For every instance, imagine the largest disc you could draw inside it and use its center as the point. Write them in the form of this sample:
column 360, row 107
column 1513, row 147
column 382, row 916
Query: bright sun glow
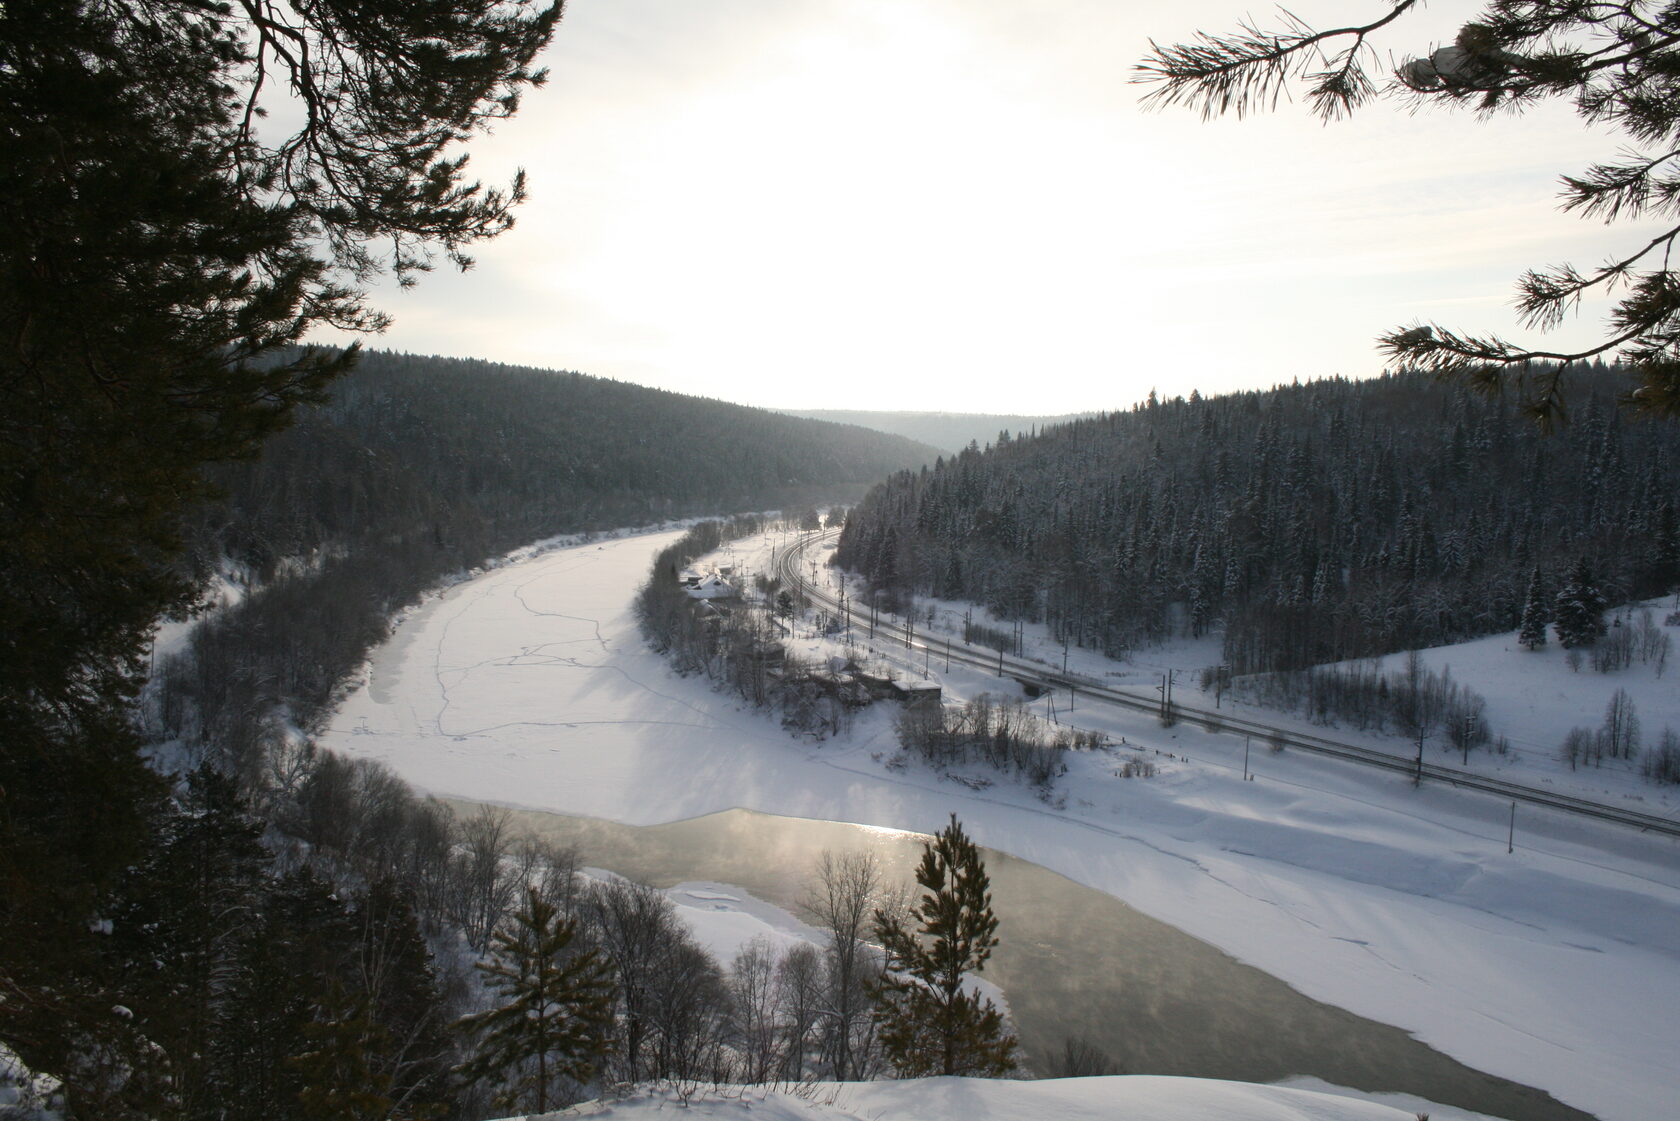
column 926, row 204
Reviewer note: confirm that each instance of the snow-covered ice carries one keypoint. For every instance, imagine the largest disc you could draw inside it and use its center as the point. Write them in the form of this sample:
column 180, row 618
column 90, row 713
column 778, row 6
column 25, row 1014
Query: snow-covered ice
column 1557, row 966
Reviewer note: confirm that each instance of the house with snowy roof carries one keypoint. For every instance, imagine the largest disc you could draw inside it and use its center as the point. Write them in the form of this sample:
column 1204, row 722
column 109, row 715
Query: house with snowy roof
column 711, row 586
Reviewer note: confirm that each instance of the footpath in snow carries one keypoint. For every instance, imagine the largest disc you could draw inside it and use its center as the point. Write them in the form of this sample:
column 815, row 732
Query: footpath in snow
column 1557, row 966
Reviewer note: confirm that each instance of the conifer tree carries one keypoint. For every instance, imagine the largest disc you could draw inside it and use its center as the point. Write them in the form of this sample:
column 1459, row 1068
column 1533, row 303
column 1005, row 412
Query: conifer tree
column 178, row 923
column 1580, row 608
column 557, row 1017
column 1536, row 613
column 338, row 1067
column 931, row 1022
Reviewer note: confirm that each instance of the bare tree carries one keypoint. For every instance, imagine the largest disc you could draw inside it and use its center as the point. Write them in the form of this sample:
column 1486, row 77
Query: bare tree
column 1080, row 1058
column 629, row 922
column 1577, row 747
column 549, row 868
column 1654, row 646
column 842, row 902
column 1618, row 736
column 754, row 1010
column 482, row 889
column 670, row 993
column 801, row 993
column 686, row 1012
column 1662, row 764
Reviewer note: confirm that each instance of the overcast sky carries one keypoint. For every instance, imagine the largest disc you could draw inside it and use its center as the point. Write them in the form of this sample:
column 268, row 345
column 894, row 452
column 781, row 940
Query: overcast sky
column 960, row 204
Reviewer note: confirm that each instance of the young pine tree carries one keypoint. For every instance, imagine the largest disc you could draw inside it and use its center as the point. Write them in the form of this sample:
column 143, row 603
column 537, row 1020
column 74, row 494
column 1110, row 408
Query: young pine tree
column 928, row 1023
column 1536, row 614
column 558, row 1013
column 1580, row 608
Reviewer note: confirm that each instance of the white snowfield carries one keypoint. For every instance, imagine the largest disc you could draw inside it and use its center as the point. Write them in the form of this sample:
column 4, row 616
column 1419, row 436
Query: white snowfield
column 1129, row 1098
column 1557, row 966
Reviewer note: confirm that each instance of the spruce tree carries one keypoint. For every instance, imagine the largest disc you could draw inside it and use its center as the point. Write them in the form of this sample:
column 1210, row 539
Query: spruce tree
column 295, row 974
column 338, row 1066
column 930, row 1020
column 1536, row 614
column 558, row 1009
column 1580, row 608
column 178, row 924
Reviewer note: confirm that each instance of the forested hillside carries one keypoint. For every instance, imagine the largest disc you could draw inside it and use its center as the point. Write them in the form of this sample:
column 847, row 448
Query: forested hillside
column 417, row 467
column 482, row 457
column 1314, row 522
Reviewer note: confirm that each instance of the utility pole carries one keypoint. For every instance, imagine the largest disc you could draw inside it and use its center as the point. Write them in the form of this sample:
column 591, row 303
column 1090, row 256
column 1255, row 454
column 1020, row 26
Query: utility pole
column 1417, row 779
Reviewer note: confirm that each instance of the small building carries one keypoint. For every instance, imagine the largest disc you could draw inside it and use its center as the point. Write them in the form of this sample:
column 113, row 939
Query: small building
column 912, row 694
column 922, row 696
column 712, row 586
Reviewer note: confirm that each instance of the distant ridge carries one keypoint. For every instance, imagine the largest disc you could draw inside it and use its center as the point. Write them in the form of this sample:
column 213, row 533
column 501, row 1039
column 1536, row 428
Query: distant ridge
column 949, row 432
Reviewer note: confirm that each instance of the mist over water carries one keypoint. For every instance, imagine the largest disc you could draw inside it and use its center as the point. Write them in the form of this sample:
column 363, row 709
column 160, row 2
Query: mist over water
column 1075, row 962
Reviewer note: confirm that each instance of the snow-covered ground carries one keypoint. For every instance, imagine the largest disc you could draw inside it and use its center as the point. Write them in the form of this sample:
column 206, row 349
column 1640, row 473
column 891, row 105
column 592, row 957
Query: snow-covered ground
column 1533, row 697
column 1557, row 966
column 1135, row 1098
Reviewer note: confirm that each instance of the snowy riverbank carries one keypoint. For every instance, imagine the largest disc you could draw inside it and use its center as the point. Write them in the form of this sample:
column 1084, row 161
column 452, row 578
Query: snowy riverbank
column 1557, row 966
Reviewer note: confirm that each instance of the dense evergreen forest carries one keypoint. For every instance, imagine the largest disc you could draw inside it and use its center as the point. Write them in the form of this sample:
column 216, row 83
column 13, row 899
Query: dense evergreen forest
column 417, row 467
column 480, row 457
column 1316, row 522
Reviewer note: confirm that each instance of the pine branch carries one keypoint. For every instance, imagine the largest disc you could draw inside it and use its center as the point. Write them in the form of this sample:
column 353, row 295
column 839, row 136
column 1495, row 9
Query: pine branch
column 1251, row 69
column 1626, row 189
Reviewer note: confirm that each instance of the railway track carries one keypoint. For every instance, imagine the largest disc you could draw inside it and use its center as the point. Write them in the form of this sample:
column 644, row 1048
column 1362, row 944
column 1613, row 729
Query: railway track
column 786, row 564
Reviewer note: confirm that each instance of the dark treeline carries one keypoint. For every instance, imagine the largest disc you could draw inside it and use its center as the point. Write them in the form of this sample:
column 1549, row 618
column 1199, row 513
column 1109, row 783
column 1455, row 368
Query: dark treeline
column 420, row 467
column 1316, row 522
column 475, row 457
column 312, row 949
